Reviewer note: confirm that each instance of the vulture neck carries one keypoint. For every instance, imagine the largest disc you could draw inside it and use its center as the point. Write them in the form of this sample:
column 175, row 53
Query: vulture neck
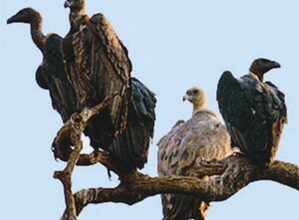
column 259, row 77
column 199, row 106
column 76, row 17
column 36, row 32
column 205, row 111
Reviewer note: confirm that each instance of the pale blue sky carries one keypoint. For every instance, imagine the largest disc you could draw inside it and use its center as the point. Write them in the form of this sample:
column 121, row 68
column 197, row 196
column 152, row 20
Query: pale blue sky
column 173, row 46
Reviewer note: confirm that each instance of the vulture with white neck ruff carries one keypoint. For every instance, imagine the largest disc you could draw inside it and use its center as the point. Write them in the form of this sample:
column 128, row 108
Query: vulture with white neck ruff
column 201, row 138
column 254, row 111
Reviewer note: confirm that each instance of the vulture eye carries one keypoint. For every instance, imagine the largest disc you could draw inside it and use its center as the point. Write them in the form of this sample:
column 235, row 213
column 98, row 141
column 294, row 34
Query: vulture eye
column 263, row 60
column 195, row 92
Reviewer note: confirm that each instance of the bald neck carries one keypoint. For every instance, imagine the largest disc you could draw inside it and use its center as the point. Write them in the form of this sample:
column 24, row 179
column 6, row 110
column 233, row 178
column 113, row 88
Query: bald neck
column 36, row 32
column 199, row 106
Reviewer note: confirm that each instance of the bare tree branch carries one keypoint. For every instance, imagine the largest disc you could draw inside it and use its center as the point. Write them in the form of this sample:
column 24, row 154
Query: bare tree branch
column 238, row 174
column 70, row 135
column 66, row 180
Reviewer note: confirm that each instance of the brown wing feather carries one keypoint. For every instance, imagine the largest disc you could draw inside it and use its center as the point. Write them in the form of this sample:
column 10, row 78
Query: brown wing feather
column 51, row 75
column 100, row 67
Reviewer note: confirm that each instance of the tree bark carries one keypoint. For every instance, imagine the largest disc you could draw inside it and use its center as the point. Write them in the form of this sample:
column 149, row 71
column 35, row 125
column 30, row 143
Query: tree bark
column 238, row 174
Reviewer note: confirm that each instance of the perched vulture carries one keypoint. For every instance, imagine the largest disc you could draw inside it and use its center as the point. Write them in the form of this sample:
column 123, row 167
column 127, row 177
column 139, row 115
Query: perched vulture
column 50, row 74
column 187, row 145
column 254, row 111
column 97, row 65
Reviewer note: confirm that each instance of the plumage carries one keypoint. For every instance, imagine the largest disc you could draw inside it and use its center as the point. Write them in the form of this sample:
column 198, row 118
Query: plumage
column 254, row 111
column 50, row 74
column 201, row 138
column 97, row 65
column 61, row 92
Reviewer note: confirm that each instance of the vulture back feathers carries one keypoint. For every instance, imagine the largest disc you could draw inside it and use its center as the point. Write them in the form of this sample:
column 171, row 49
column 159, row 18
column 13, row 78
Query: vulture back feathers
column 254, row 111
column 53, row 73
column 98, row 65
column 201, row 138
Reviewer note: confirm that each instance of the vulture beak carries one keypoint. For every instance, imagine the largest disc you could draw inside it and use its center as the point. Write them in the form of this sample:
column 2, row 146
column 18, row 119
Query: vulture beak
column 275, row 64
column 10, row 20
column 185, row 97
column 67, row 4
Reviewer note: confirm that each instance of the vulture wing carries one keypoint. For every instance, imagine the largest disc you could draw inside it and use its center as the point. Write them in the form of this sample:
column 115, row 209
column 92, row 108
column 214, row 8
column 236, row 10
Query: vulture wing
column 132, row 144
column 98, row 66
column 51, row 75
column 202, row 137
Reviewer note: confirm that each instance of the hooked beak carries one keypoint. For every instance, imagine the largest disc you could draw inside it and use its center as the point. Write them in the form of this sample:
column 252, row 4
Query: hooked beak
column 67, row 4
column 185, row 97
column 275, row 64
column 10, row 20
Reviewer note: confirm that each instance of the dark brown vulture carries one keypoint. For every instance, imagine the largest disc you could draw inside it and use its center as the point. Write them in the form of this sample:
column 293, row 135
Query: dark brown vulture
column 51, row 74
column 98, row 65
column 202, row 138
column 254, row 111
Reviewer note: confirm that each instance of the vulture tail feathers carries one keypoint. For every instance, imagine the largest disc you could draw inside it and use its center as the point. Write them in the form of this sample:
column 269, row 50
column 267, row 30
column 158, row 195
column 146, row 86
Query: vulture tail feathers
column 132, row 145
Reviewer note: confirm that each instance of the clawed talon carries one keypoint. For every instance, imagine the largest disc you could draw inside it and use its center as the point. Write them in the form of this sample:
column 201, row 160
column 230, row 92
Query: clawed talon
column 212, row 163
column 105, row 153
column 201, row 162
column 237, row 154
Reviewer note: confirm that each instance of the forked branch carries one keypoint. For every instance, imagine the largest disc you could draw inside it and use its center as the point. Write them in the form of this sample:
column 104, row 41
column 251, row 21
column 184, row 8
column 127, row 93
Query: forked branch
column 70, row 135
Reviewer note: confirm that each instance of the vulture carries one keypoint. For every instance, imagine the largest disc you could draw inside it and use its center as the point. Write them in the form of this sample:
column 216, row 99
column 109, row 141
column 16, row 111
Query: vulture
column 50, row 75
column 254, row 111
column 189, row 144
column 97, row 65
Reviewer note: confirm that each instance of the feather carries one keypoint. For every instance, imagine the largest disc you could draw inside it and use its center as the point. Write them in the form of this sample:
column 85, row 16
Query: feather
column 54, row 76
column 200, row 138
column 98, row 65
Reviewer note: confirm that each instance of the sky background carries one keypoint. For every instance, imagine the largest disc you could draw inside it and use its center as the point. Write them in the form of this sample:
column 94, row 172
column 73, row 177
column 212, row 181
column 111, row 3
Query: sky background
column 173, row 45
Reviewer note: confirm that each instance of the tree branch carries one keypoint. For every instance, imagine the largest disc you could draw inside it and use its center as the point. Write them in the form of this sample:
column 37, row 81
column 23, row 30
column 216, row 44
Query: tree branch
column 65, row 177
column 70, row 135
column 238, row 174
column 62, row 144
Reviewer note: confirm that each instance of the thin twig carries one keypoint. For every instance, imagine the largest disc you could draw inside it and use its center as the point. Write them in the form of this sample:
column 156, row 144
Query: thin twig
column 65, row 177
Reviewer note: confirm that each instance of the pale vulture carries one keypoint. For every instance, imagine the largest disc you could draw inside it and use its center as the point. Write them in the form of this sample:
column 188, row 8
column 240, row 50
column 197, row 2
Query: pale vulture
column 188, row 144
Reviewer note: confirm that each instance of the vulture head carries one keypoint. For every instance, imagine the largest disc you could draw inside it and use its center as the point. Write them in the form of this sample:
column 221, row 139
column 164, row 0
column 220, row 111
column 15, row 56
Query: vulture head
column 196, row 96
column 74, row 4
column 26, row 15
column 261, row 65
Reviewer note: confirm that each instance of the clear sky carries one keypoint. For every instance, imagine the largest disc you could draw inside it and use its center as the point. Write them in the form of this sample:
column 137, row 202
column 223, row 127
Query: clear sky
column 173, row 46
